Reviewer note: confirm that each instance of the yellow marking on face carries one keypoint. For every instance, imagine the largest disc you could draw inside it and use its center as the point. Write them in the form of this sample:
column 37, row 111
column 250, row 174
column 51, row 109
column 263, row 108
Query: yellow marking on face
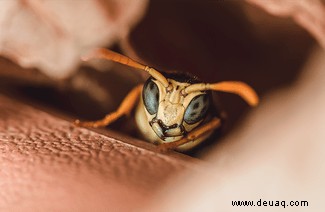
column 168, row 120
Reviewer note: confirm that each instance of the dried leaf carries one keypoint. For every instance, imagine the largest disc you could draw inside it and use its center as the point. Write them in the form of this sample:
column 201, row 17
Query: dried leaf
column 310, row 14
column 51, row 35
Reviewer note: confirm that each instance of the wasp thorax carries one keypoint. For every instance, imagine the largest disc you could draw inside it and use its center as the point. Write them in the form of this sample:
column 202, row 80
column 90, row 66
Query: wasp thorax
column 170, row 112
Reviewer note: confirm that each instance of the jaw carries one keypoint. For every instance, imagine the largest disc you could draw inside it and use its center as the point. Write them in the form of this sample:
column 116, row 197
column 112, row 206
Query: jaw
column 147, row 131
column 168, row 135
column 169, row 139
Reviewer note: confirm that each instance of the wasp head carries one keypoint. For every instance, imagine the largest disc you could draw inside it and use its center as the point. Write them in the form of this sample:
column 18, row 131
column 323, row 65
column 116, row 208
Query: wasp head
column 171, row 112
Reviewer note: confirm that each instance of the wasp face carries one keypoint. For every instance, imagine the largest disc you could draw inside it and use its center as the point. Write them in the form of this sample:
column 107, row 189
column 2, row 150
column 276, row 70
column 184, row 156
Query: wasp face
column 171, row 113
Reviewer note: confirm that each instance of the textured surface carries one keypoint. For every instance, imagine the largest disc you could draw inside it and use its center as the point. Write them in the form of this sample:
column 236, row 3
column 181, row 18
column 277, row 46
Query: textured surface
column 47, row 163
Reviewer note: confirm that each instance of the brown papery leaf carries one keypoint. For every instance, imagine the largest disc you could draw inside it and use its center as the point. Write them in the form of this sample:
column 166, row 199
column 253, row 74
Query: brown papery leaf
column 51, row 35
column 310, row 14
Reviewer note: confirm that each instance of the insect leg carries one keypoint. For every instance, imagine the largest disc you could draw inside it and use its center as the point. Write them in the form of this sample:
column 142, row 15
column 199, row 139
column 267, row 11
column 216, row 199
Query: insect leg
column 195, row 134
column 124, row 109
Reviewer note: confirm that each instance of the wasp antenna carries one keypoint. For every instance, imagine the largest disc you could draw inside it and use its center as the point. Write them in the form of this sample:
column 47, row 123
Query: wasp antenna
column 157, row 75
column 102, row 53
column 239, row 88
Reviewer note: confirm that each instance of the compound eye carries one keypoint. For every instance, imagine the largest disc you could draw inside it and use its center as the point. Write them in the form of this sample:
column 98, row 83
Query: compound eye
column 150, row 95
column 197, row 109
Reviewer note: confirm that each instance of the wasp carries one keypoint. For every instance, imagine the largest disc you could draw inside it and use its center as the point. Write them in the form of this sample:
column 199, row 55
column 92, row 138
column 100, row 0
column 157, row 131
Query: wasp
column 173, row 109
